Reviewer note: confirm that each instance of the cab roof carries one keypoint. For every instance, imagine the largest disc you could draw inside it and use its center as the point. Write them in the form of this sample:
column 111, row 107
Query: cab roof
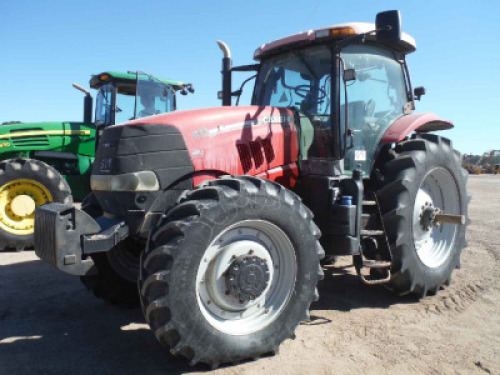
column 405, row 45
column 97, row 80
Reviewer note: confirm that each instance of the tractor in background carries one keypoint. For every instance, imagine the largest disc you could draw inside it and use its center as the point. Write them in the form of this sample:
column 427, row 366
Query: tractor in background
column 492, row 164
column 51, row 161
column 471, row 163
column 222, row 216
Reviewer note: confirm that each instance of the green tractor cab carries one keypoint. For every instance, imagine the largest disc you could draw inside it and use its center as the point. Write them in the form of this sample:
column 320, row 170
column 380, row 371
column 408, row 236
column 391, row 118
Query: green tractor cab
column 51, row 161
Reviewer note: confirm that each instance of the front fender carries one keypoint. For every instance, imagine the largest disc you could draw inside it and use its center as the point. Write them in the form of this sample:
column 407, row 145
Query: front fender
column 421, row 123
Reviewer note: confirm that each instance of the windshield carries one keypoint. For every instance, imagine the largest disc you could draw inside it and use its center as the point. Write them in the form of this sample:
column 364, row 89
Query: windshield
column 301, row 80
column 153, row 97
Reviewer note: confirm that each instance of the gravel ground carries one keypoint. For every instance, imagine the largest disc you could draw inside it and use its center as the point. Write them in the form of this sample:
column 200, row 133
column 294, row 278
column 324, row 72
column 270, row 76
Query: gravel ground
column 49, row 323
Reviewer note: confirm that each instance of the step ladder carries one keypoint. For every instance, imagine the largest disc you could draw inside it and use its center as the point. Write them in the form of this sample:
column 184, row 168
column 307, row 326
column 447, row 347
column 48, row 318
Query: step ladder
column 360, row 262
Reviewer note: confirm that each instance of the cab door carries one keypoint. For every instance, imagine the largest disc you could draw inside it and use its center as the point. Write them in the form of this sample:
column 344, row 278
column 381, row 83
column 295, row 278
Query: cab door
column 376, row 98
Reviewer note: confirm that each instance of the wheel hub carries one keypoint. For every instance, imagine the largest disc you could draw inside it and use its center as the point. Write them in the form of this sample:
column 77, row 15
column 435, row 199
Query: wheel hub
column 247, row 277
column 427, row 217
column 18, row 201
column 23, row 205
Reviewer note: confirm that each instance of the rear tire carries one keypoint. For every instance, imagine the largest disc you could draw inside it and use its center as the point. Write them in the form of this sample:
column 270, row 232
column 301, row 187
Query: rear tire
column 24, row 185
column 422, row 172
column 199, row 242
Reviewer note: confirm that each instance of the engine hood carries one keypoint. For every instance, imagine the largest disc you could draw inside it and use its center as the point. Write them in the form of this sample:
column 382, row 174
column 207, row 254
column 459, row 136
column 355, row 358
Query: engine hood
column 233, row 140
column 51, row 126
column 208, row 119
column 60, row 136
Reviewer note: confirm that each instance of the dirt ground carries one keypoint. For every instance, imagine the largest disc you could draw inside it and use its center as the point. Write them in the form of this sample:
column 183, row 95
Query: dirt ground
column 49, row 323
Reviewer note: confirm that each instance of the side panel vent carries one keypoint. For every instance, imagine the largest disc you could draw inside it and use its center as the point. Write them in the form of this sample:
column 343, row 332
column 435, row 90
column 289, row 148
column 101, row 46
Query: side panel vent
column 30, row 140
column 268, row 150
column 257, row 153
column 245, row 157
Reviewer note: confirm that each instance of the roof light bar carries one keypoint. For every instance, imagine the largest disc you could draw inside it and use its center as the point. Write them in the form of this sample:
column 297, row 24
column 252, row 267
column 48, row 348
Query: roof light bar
column 337, row 32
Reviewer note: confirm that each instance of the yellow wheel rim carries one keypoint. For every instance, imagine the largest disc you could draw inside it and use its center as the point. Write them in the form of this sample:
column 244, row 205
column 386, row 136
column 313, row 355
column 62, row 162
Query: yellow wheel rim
column 18, row 200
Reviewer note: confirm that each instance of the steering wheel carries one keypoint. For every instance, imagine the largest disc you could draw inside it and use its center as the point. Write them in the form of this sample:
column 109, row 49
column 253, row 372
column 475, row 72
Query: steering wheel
column 304, row 90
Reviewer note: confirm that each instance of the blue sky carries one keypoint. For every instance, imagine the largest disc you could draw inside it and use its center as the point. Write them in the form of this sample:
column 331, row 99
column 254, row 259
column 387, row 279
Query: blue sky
column 47, row 45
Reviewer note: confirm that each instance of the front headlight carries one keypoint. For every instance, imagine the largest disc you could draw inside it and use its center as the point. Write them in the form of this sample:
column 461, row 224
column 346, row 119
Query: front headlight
column 136, row 181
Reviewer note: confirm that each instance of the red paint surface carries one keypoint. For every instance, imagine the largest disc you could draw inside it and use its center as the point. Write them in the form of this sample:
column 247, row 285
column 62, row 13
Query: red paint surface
column 405, row 125
column 237, row 140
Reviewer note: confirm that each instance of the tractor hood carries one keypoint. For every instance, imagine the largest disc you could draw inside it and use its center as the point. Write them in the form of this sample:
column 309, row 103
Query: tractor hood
column 213, row 123
column 42, row 135
column 232, row 140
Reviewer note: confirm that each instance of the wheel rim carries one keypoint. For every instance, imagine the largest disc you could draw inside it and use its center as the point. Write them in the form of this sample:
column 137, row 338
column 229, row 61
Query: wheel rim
column 438, row 191
column 270, row 251
column 18, row 200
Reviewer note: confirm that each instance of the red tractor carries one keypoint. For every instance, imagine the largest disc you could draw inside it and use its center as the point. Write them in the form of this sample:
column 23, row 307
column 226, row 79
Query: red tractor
column 222, row 216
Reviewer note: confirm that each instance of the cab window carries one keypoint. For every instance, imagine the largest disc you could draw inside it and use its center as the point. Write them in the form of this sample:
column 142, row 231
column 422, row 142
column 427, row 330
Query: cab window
column 376, row 98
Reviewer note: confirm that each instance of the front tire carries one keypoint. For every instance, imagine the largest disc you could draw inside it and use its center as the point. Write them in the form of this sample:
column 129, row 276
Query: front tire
column 117, row 272
column 421, row 175
column 231, row 271
column 117, row 269
column 24, row 185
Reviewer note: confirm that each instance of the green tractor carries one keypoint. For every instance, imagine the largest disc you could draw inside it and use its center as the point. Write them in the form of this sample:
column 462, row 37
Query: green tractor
column 51, row 161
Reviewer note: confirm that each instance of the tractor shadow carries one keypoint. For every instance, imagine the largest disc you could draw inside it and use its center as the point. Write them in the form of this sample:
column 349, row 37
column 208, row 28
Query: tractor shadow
column 343, row 290
column 50, row 324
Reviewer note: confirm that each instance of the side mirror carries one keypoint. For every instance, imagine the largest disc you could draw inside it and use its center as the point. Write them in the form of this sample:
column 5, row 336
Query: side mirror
column 418, row 92
column 349, row 75
column 388, row 24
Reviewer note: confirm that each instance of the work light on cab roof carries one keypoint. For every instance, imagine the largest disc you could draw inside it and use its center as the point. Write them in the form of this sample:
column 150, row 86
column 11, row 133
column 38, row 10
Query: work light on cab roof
column 369, row 31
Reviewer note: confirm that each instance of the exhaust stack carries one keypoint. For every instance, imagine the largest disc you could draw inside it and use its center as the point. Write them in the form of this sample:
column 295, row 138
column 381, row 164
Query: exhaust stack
column 87, row 104
column 227, row 65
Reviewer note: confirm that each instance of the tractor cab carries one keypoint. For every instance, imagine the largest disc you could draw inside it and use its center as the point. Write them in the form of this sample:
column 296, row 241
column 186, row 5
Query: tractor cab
column 127, row 96
column 346, row 83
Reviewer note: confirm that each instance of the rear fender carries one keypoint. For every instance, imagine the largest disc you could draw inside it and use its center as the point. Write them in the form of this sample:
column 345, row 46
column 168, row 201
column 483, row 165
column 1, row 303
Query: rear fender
column 420, row 123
